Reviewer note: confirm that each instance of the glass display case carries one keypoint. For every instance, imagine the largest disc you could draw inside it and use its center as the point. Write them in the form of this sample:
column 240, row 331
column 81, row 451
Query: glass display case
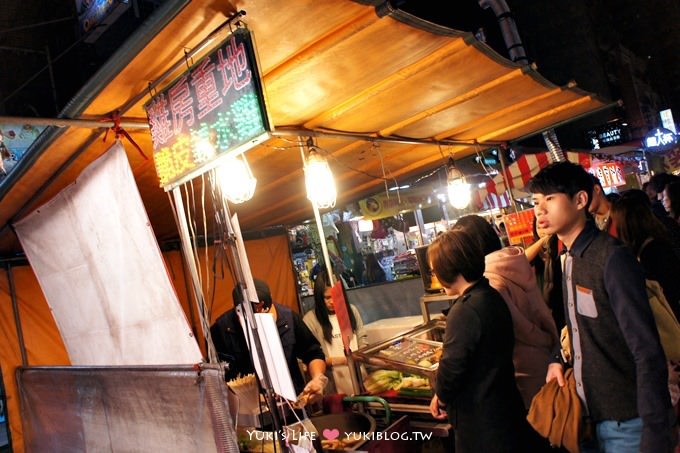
column 402, row 371
column 407, row 361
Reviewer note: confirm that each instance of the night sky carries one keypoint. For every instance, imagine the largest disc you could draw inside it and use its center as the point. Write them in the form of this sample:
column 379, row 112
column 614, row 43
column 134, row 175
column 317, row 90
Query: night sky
column 650, row 28
column 554, row 35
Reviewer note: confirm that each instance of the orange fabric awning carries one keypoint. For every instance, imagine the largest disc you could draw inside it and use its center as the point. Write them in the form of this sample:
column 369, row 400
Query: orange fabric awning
column 331, row 65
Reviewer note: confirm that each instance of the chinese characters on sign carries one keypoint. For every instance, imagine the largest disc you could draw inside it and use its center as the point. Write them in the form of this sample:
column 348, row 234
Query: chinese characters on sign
column 667, row 120
column 213, row 108
column 608, row 135
column 609, row 174
column 659, row 138
column 519, row 227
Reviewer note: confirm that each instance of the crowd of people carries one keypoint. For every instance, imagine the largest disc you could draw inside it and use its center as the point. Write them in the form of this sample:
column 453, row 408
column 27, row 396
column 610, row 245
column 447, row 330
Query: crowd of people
column 586, row 276
column 594, row 257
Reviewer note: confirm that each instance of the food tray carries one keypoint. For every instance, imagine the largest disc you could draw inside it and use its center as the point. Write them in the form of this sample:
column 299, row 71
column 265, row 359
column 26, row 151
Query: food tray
column 413, row 351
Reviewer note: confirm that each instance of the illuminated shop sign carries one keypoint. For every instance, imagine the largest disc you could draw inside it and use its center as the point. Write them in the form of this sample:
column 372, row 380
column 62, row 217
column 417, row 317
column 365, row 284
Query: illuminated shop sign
column 659, row 139
column 608, row 135
column 610, row 174
column 214, row 109
column 667, row 120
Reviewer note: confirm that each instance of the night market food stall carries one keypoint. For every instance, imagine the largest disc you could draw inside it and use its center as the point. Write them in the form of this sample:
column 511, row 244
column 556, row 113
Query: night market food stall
column 371, row 92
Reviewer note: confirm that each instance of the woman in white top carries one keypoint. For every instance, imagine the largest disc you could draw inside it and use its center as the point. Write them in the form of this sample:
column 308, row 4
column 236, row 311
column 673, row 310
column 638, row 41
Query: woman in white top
column 323, row 323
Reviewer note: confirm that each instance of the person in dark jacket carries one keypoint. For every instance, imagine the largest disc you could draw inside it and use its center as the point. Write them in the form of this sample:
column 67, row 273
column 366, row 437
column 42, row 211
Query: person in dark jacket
column 297, row 341
column 475, row 383
column 619, row 365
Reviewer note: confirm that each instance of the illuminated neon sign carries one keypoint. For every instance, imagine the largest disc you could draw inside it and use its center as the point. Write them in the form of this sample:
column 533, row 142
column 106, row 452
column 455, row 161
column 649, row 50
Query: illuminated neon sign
column 608, row 135
column 659, row 139
column 215, row 107
column 610, row 174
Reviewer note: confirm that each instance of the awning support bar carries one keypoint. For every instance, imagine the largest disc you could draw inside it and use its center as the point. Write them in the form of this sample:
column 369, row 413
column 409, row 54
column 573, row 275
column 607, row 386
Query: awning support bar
column 69, row 122
column 297, row 132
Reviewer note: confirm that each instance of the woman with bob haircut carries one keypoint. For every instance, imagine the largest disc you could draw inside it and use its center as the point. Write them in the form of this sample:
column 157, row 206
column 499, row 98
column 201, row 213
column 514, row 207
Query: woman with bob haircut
column 475, row 384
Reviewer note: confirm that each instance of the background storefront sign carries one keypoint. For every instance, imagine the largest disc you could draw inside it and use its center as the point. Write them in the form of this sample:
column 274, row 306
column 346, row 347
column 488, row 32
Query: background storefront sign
column 659, row 139
column 214, row 108
column 520, row 227
column 667, row 120
column 608, row 135
column 380, row 205
column 610, row 174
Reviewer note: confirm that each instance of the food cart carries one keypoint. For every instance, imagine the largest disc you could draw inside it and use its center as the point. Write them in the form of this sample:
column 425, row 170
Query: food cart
column 324, row 81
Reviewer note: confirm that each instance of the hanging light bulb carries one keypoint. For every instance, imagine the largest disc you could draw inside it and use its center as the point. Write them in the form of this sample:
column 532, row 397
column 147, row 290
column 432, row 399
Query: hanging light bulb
column 235, row 179
column 319, row 181
column 458, row 188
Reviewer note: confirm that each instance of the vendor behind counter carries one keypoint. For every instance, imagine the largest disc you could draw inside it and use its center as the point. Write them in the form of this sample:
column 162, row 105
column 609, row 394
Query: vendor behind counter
column 296, row 339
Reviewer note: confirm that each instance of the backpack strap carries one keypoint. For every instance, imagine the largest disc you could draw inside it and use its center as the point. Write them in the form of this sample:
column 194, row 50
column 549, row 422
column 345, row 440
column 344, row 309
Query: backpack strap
column 642, row 247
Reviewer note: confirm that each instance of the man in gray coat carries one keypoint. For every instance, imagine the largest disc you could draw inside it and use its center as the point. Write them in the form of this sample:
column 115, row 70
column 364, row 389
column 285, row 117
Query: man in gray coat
column 619, row 366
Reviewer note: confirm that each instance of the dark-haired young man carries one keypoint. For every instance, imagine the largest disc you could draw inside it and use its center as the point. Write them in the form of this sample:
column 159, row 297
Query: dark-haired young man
column 619, row 366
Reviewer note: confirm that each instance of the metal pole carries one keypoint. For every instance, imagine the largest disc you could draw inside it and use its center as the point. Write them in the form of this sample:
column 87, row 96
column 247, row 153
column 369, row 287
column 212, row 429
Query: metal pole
column 302, row 132
column 326, row 257
column 17, row 319
column 319, row 225
column 418, row 214
column 188, row 293
column 250, row 322
column 68, row 122
column 188, row 251
column 324, row 245
column 501, row 157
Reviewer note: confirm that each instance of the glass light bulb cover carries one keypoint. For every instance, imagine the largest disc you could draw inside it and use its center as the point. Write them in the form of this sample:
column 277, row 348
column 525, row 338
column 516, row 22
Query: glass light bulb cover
column 236, row 180
column 319, row 182
column 459, row 193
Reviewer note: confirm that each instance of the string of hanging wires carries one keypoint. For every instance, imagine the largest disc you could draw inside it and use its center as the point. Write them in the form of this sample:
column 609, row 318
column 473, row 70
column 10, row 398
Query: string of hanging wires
column 487, row 170
column 188, row 193
column 198, row 205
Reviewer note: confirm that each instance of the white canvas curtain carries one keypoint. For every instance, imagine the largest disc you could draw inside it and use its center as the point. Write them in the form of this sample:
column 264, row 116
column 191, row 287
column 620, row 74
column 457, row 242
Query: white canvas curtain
column 101, row 270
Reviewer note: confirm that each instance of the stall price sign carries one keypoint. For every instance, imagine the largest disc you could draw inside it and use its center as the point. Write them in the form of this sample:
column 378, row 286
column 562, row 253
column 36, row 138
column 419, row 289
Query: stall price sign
column 520, row 226
column 214, row 109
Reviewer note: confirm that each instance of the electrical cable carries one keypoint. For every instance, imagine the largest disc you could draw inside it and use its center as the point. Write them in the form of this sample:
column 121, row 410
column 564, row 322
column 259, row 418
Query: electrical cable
column 205, row 237
column 349, row 167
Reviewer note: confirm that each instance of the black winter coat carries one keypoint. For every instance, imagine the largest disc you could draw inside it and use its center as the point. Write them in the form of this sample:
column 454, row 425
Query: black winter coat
column 476, row 377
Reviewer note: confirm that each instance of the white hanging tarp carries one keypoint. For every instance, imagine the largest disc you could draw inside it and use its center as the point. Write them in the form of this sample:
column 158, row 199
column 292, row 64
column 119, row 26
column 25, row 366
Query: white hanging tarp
column 101, row 270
